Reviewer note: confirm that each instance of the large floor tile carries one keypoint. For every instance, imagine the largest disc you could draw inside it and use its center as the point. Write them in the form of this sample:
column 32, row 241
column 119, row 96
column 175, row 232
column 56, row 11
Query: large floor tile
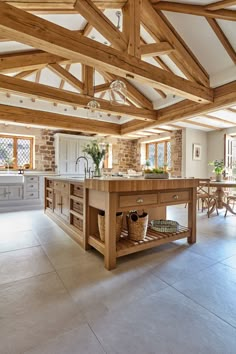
column 181, row 264
column 214, row 289
column 51, row 233
column 231, row 262
column 167, row 323
column 78, row 341
column 33, row 311
column 24, row 263
column 97, row 290
column 10, row 241
column 65, row 253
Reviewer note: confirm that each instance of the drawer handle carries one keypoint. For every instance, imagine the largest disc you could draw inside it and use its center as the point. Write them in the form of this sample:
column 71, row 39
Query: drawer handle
column 175, row 197
column 139, row 200
column 31, row 194
column 78, row 188
column 32, row 178
column 31, row 186
column 59, row 203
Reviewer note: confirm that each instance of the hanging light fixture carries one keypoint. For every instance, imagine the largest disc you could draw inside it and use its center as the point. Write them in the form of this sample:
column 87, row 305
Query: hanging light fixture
column 117, row 92
column 118, row 88
column 93, row 105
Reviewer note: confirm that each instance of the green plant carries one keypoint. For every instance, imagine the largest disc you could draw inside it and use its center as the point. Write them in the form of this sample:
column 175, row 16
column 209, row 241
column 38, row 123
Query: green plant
column 154, row 170
column 148, row 163
column 97, row 151
column 219, row 166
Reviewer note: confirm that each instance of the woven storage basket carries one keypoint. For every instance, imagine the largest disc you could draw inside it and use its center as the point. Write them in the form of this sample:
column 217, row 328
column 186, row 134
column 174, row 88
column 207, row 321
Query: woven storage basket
column 164, row 225
column 101, row 225
column 137, row 225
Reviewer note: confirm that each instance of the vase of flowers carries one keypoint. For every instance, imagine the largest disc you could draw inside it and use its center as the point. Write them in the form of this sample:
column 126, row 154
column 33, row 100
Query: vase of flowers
column 218, row 169
column 97, row 151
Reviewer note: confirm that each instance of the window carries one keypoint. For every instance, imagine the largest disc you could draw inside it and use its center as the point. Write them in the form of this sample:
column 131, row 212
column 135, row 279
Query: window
column 159, row 153
column 16, row 151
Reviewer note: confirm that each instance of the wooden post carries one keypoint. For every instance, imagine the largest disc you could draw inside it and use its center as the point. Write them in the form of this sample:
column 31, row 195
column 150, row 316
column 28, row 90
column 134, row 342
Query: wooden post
column 192, row 210
column 110, row 231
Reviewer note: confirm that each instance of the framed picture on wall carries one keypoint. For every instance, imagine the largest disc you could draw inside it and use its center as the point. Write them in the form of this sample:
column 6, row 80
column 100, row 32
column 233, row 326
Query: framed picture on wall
column 197, row 152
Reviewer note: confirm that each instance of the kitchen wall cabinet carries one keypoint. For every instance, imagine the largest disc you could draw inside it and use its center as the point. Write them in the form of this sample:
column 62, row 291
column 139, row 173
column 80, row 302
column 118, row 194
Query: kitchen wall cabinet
column 67, row 149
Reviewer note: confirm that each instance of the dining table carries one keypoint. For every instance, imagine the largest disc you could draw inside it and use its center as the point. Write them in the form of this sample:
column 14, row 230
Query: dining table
column 221, row 187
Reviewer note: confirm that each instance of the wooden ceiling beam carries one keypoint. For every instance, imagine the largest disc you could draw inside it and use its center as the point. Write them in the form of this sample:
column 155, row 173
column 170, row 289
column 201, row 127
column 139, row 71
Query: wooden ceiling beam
column 196, row 10
column 102, row 87
column 218, row 5
column 24, row 74
column 35, row 31
column 63, row 81
column 216, row 119
column 131, row 26
column 222, row 38
column 155, row 49
column 35, row 90
column 47, row 119
column 88, row 80
column 103, row 25
column 61, row 6
column 29, row 60
column 182, row 56
column 198, row 124
column 64, row 74
column 224, row 96
column 231, row 110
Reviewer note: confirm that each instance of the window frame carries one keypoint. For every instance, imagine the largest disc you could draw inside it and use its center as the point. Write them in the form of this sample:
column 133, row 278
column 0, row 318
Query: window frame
column 156, row 151
column 15, row 138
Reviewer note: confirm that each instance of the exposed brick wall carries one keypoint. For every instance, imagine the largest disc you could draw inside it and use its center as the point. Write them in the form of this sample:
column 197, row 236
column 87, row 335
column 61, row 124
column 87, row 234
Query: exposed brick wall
column 125, row 155
column 45, row 151
column 176, row 153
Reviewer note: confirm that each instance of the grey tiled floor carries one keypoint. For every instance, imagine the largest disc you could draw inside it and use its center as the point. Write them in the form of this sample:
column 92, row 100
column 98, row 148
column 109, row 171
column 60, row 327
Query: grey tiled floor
column 56, row 298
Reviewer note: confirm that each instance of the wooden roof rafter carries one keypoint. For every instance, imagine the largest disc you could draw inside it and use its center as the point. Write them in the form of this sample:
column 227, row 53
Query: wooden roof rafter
column 51, row 37
column 196, row 10
column 224, row 96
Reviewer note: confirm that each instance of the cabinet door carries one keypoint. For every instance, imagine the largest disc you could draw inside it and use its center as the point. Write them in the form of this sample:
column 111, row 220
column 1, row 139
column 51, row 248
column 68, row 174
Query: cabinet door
column 3, row 193
column 57, row 203
column 65, row 207
column 62, row 158
column 72, row 154
column 15, row 192
column 61, row 205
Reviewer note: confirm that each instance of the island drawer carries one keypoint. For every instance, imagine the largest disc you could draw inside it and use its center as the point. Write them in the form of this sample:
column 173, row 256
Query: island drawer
column 137, row 200
column 78, row 189
column 77, row 222
column 174, row 197
column 77, row 206
column 61, row 186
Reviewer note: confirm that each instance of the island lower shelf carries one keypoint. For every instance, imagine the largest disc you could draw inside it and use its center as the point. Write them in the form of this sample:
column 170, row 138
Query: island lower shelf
column 153, row 238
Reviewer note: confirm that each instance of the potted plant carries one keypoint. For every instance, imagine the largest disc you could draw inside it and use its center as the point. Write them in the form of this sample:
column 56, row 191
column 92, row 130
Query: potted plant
column 97, row 151
column 218, row 169
column 159, row 173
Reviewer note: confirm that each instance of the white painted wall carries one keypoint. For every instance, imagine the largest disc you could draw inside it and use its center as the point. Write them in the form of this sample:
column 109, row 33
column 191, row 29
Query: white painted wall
column 190, row 167
column 215, row 149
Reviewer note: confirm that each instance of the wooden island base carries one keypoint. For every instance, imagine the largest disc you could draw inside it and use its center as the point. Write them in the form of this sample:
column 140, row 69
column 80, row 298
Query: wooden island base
column 115, row 195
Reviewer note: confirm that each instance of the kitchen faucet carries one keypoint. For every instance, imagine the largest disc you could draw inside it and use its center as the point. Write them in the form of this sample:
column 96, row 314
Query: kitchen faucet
column 87, row 169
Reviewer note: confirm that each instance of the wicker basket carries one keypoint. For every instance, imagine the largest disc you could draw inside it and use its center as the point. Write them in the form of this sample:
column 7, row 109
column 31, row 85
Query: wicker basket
column 164, row 225
column 137, row 225
column 101, row 225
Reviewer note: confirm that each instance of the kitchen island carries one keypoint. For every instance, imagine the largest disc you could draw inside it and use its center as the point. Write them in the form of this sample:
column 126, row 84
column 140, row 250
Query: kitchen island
column 114, row 195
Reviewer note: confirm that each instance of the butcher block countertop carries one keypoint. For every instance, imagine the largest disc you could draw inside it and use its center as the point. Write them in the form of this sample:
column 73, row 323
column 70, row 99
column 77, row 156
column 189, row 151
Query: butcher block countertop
column 112, row 184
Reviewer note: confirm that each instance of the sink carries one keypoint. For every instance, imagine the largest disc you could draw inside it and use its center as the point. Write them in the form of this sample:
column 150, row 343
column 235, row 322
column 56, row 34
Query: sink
column 11, row 179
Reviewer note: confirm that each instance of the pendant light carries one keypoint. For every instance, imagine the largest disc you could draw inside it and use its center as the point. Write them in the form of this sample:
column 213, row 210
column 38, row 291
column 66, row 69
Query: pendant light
column 118, row 88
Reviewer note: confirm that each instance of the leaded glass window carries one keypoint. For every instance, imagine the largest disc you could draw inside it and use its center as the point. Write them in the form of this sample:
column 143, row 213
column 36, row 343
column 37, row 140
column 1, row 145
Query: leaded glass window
column 16, row 151
column 159, row 154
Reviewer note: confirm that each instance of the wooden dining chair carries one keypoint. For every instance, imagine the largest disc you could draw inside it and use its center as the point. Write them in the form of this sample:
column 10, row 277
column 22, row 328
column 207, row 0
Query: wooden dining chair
column 207, row 198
